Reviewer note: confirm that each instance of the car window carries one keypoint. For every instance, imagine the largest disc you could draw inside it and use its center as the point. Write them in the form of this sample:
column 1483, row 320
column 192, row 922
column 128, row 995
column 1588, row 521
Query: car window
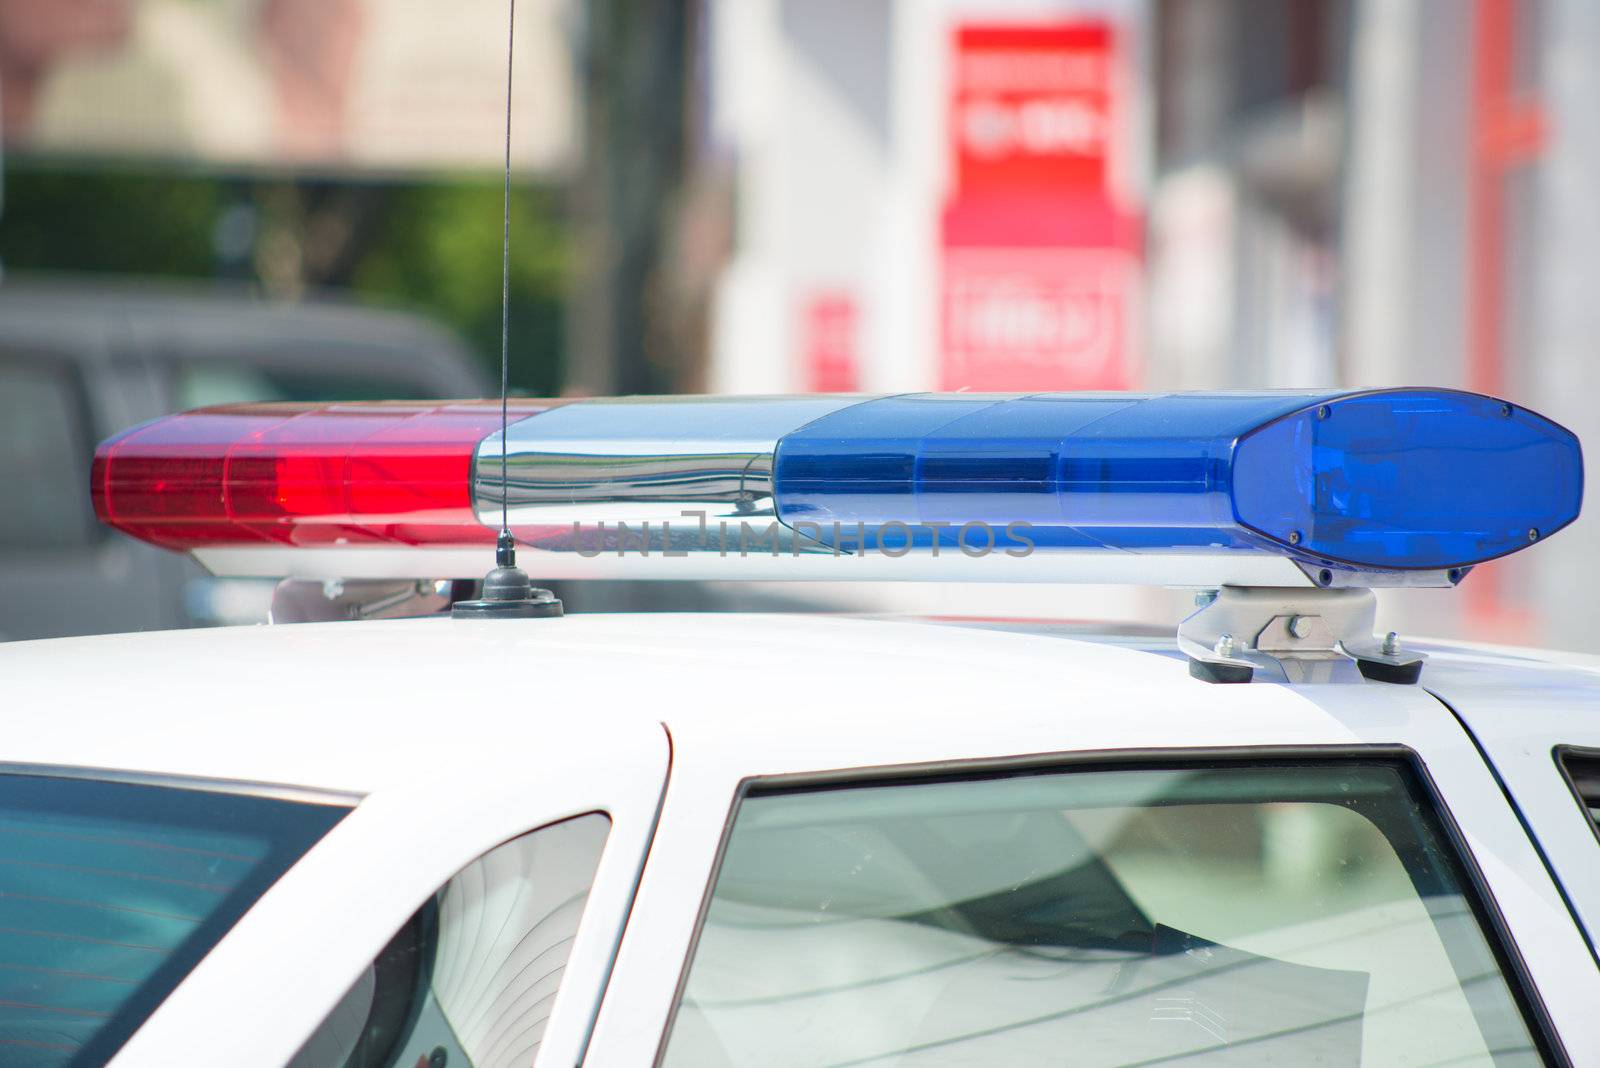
column 1226, row 915
column 44, row 461
column 470, row 980
column 111, row 892
column 201, row 385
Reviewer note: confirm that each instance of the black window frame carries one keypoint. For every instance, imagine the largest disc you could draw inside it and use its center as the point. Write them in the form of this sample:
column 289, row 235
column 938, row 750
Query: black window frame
column 1565, row 756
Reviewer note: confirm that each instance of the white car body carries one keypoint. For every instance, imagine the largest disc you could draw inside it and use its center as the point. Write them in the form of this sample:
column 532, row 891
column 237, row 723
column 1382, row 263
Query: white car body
column 451, row 737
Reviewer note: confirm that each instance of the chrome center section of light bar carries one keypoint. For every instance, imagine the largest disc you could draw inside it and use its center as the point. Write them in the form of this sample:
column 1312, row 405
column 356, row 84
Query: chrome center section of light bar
column 673, row 474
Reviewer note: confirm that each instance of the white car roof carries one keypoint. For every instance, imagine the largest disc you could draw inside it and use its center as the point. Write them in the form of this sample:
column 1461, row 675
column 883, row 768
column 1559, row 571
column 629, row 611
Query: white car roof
column 353, row 706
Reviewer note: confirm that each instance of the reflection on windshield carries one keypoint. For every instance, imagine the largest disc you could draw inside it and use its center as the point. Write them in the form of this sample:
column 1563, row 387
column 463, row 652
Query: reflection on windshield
column 1106, row 918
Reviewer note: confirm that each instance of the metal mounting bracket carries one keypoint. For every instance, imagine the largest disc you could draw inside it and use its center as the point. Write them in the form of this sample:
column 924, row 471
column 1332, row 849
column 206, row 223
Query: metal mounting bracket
column 311, row 601
column 1299, row 635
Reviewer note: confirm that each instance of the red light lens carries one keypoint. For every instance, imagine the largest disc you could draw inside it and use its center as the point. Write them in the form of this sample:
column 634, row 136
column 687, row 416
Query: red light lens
column 328, row 474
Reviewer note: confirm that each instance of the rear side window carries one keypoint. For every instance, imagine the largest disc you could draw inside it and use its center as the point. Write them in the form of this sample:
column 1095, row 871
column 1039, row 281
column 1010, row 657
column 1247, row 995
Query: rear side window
column 470, row 980
column 110, row 893
column 1296, row 914
column 44, row 457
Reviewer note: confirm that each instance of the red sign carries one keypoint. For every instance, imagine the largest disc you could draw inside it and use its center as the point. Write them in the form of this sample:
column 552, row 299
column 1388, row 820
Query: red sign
column 1037, row 294
column 1048, row 319
column 1040, row 262
column 1032, row 107
column 828, row 342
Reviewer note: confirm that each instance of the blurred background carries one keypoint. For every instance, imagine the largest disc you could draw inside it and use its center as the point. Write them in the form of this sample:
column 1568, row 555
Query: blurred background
column 216, row 200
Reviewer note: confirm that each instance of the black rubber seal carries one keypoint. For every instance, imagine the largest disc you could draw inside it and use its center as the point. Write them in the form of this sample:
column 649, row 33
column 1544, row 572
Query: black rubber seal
column 1206, row 671
column 1398, row 674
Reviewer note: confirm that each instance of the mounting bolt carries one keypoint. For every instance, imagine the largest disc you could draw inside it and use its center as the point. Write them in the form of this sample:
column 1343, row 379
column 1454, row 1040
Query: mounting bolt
column 1294, row 537
column 1533, row 533
column 1323, row 411
column 1505, row 409
column 1224, row 646
column 1299, row 627
column 1391, row 644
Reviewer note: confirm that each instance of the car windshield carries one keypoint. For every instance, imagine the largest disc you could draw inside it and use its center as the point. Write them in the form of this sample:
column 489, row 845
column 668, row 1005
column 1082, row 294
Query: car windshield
column 111, row 892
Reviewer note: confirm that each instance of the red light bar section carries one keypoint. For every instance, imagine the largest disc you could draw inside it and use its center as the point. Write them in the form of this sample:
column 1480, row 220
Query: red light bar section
column 300, row 474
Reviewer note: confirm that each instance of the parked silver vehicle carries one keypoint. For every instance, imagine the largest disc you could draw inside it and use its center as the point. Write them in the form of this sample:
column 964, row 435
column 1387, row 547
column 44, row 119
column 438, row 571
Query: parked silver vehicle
column 79, row 362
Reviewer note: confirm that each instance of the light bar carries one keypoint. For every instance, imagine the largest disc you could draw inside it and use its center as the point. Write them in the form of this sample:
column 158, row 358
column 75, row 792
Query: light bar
column 1386, row 487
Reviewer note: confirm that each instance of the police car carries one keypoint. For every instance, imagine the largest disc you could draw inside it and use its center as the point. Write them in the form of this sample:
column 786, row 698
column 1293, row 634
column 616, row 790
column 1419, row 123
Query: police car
column 501, row 836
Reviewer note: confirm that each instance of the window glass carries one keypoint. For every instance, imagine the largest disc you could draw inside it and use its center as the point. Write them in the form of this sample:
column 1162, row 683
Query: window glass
column 469, row 982
column 201, row 385
column 44, row 465
column 110, row 893
column 1231, row 915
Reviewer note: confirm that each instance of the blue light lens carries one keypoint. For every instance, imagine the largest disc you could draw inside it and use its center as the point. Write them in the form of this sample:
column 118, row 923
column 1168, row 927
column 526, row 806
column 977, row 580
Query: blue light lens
column 1394, row 479
column 1409, row 479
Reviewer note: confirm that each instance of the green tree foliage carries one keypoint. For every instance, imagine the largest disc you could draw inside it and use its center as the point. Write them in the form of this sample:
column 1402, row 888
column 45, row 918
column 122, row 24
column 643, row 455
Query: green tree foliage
column 438, row 253
column 109, row 221
column 429, row 248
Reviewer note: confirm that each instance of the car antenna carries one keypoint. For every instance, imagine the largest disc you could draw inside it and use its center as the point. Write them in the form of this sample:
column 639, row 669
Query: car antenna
column 507, row 591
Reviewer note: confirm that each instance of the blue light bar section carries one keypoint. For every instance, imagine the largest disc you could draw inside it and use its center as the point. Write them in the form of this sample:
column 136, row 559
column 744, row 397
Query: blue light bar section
column 1405, row 479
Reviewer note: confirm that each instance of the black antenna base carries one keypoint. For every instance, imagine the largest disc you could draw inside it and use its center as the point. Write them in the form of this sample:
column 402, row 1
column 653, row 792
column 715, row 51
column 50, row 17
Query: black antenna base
column 507, row 591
